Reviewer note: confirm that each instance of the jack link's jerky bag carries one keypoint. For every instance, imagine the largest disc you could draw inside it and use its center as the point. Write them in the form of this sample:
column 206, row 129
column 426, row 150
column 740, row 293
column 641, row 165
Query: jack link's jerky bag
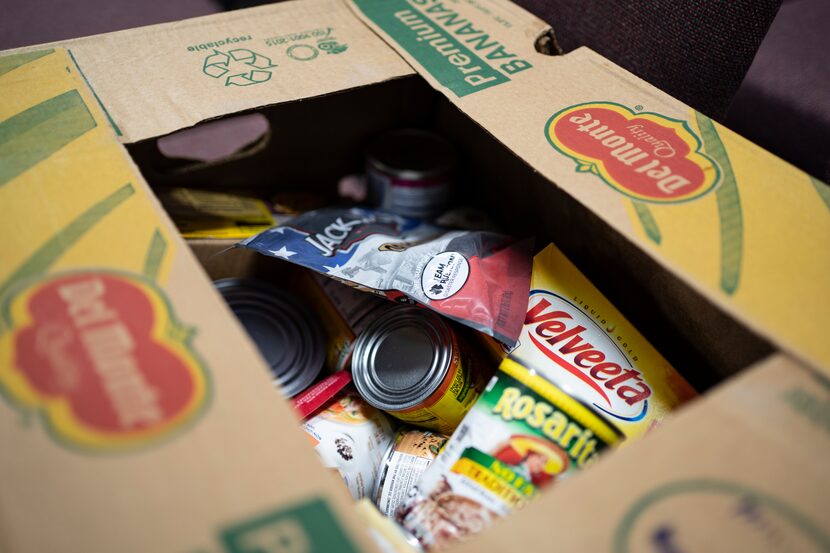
column 580, row 381
column 479, row 279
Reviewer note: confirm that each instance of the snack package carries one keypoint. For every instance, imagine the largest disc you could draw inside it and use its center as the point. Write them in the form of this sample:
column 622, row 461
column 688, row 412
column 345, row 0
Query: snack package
column 209, row 214
column 580, row 380
column 479, row 279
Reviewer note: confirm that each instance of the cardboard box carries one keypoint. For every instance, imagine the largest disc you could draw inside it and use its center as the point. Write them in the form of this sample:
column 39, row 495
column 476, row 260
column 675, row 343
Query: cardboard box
column 713, row 247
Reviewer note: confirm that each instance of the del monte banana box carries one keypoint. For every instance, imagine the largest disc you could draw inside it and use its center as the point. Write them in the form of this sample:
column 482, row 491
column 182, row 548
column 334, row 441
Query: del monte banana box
column 131, row 400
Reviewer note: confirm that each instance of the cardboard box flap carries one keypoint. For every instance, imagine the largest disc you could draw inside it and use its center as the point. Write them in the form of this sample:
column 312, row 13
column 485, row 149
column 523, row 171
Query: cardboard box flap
column 158, row 79
column 740, row 226
column 742, row 469
column 128, row 391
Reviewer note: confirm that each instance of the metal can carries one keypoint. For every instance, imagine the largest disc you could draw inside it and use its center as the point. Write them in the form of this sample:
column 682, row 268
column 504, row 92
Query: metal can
column 410, row 173
column 412, row 452
column 522, row 435
column 408, row 363
column 344, row 313
column 286, row 332
column 352, row 437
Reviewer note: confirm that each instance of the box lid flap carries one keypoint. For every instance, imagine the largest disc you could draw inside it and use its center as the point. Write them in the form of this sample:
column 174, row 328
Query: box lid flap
column 126, row 386
column 742, row 227
column 158, row 79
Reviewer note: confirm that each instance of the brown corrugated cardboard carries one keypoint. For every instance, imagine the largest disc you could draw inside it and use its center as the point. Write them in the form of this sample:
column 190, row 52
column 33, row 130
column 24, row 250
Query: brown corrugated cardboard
column 137, row 415
column 158, row 79
column 714, row 280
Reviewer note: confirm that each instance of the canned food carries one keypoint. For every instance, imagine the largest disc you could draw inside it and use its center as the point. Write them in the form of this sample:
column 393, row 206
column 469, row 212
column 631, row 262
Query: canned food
column 412, row 452
column 408, row 362
column 352, row 437
column 344, row 312
column 410, row 172
column 523, row 434
column 286, row 332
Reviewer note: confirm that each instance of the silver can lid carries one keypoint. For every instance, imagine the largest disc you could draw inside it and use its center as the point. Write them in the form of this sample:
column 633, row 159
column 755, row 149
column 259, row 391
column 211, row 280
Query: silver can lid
column 411, row 154
column 287, row 334
column 402, row 358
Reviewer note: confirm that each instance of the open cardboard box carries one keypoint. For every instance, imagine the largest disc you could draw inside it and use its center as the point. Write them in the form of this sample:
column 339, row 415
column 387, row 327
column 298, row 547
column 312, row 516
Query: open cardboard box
column 721, row 260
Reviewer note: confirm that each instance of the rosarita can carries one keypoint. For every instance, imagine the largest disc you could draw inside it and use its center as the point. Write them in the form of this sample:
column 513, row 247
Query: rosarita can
column 522, row 435
column 409, row 363
column 287, row 334
column 410, row 173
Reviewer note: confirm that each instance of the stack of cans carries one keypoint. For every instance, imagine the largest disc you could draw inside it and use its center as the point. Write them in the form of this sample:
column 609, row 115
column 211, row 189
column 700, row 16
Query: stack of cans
column 287, row 334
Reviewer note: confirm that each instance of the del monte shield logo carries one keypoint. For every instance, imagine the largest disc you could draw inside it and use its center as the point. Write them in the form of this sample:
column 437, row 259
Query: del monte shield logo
column 100, row 356
column 646, row 156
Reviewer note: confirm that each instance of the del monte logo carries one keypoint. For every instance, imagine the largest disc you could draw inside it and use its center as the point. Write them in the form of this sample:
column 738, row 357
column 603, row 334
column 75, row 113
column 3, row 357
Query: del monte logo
column 100, row 356
column 646, row 156
column 595, row 369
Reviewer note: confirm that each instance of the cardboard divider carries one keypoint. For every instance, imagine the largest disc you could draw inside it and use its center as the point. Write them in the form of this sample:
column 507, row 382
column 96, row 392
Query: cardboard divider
column 220, row 260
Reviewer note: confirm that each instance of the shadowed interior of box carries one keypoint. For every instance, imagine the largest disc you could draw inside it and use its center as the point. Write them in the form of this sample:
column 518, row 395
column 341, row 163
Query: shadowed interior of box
column 311, row 144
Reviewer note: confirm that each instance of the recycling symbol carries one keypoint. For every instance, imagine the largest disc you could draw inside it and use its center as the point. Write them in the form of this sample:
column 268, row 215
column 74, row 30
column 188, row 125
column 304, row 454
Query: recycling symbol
column 240, row 67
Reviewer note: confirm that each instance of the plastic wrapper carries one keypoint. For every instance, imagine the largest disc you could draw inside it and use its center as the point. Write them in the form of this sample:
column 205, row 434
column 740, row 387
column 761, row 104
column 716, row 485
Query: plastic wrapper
column 480, row 279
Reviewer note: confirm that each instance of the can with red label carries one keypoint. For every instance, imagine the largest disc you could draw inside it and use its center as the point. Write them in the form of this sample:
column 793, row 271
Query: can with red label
column 409, row 172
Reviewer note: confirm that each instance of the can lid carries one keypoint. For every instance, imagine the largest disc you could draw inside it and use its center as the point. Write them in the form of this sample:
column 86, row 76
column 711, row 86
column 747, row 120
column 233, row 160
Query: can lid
column 411, row 154
column 401, row 358
column 286, row 333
